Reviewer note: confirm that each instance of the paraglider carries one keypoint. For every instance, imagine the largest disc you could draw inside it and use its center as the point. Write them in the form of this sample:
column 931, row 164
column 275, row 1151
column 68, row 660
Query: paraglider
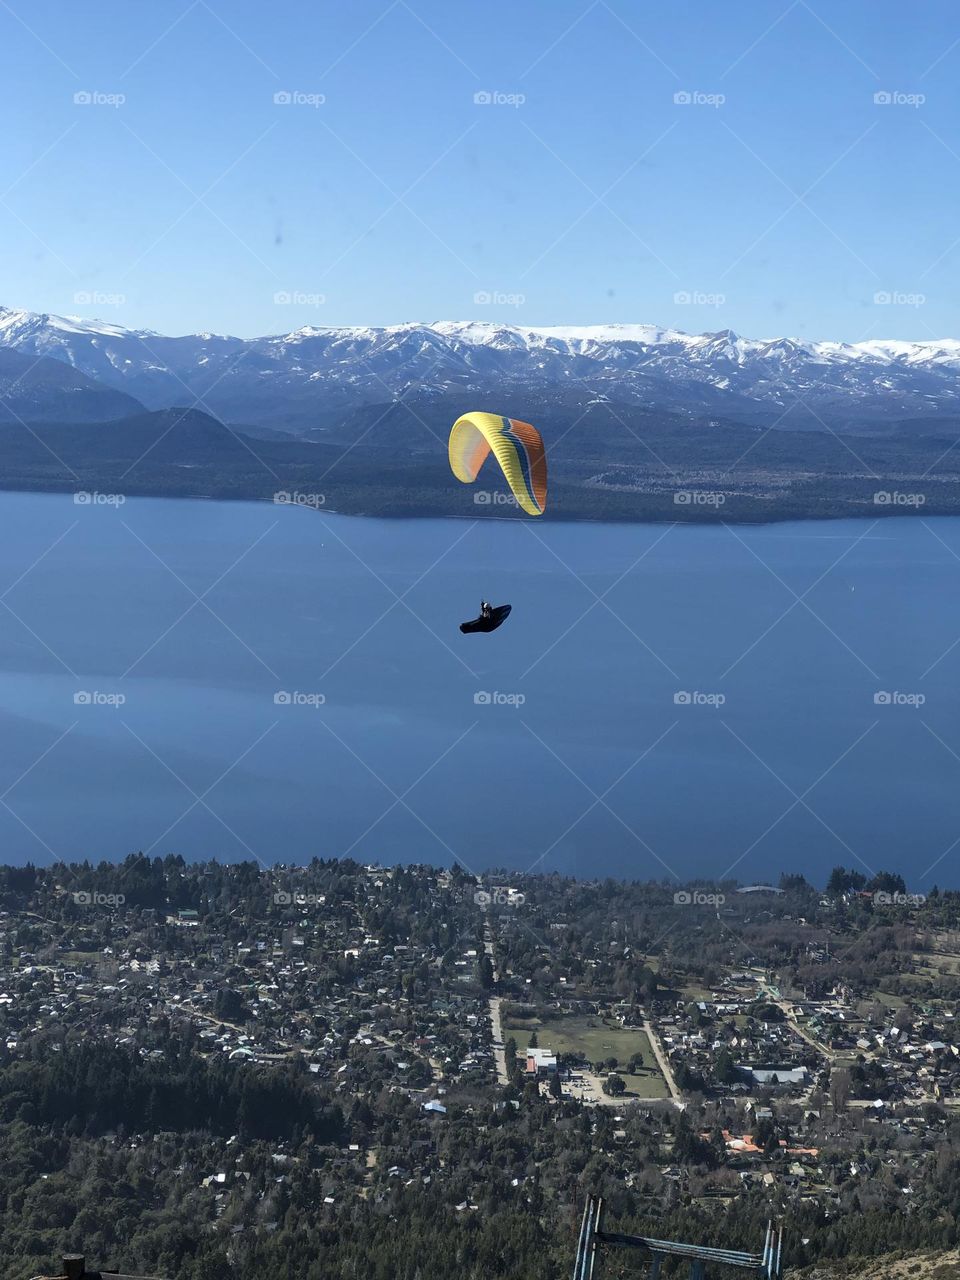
column 489, row 619
column 517, row 447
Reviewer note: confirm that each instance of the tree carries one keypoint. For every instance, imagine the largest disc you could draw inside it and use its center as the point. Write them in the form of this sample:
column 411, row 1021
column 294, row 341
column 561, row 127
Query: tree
column 614, row 1085
column 794, row 883
column 843, row 881
column 514, row 1070
column 689, row 1147
column 839, row 1090
column 485, row 972
column 724, row 1069
column 887, row 882
column 229, row 1006
column 647, row 983
column 903, row 1018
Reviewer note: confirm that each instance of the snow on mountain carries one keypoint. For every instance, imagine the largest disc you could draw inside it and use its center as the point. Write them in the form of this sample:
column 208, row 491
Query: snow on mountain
column 314, row 373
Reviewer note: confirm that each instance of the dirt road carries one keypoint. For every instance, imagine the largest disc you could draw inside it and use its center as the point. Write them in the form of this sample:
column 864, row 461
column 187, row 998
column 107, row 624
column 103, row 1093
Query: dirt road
column 663, row 1062
column 499, row 1052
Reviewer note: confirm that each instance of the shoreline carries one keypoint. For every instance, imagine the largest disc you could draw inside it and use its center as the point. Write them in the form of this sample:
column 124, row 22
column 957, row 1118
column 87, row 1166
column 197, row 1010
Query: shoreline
column 719, row 520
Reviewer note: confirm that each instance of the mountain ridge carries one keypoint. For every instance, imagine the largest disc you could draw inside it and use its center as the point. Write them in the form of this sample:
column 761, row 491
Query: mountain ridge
column 34, row 388
column 300, row 379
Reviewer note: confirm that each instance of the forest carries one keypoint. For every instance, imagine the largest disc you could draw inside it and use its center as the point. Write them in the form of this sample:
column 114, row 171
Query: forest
column 610, row 462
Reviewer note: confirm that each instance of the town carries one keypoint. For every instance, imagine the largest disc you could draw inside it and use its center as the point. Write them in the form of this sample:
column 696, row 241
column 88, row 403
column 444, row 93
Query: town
column 340, row 1039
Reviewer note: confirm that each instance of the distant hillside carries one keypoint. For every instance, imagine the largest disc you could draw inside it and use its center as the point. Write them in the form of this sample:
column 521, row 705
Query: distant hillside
column 36, row 388
column 607, row 462
column 936, row 1265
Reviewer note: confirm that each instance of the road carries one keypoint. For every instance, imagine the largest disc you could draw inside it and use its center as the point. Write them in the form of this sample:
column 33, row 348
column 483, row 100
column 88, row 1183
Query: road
column 792, row 1023
column 663, row 1062
column 499, row 1052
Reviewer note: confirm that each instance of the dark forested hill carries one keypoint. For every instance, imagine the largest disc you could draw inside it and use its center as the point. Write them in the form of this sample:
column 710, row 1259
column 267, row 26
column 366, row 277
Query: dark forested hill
column 607, row 462
column 36, row 388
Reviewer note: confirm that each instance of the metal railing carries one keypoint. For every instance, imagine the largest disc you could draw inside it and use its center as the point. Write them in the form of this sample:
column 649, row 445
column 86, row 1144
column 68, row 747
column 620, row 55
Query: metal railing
column 766, row 1265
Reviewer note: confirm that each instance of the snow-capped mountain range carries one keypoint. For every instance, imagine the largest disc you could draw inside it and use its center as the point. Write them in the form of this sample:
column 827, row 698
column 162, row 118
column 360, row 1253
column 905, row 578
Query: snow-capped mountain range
column 300, row 379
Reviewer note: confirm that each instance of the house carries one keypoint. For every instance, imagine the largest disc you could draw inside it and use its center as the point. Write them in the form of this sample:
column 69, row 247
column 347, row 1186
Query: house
column 772, row 1076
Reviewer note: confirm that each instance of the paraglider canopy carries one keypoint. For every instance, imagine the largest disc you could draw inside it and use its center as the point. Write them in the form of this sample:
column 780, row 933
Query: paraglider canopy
column 489, row 622
column 517, row 447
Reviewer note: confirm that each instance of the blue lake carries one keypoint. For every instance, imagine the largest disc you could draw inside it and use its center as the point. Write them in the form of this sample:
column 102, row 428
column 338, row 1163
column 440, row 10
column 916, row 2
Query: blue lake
column 695, row 701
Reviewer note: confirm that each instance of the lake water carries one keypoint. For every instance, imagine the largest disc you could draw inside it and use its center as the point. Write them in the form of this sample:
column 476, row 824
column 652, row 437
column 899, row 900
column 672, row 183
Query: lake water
column 402, row 740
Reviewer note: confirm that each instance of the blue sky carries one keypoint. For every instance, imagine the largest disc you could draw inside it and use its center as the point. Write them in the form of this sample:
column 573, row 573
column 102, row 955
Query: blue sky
column 782, row 199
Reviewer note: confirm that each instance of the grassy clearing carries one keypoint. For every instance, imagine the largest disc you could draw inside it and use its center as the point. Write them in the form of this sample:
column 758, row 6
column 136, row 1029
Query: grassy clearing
column 598, row 1040
column 887, row 998
column 694, row 993
column 933, row 961
column 648, row 1083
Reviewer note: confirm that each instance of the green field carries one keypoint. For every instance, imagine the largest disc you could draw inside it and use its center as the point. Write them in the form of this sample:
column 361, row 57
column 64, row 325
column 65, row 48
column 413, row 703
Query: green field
column 894, row 1002
column 597, row 1039
column 693, row 993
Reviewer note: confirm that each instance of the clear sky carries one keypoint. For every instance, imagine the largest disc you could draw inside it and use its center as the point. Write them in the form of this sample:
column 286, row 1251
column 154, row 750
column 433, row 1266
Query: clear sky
column 782, row 199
